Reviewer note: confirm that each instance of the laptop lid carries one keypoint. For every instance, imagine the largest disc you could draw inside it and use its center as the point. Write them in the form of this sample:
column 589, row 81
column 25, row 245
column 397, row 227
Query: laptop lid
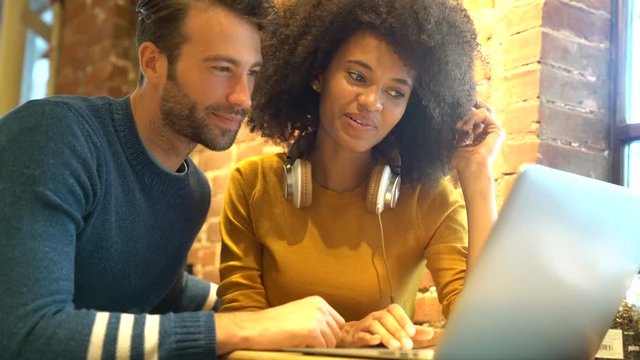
column 552, row 274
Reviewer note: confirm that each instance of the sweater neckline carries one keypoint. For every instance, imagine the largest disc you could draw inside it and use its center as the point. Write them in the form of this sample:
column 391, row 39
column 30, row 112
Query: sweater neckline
column 340, row 196
column 140, row 158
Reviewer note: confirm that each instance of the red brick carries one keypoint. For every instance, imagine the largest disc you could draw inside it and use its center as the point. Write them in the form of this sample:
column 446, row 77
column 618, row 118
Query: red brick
column 485, row 23
column 98, row 75
column 570, row 89
column 516, row 153
column 203, row 254
column 591, row 60
column 479, row 5
column 428, row 308
column 74, row 9
column 210, row 273
column 119, row 91
column 88, row 40
column 599, row 5
column 522, row 117
column 483, row 90
column 481, row 72
column 525, row 15
column 593, row 164
column 523, row 48
column 213, row 233
column 565, row 16
column 522, row 84
column 427, row 281
column 574, row 128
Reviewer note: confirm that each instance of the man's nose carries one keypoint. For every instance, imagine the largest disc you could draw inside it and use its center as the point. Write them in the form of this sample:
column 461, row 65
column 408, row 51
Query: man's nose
column 240, row 94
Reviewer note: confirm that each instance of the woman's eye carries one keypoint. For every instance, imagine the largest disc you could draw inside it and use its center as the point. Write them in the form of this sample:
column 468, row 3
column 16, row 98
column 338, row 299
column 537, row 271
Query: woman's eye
column 356, row 76
column 396, row 93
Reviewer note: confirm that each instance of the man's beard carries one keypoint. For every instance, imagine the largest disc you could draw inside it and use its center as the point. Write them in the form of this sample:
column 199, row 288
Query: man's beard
column 179, row 112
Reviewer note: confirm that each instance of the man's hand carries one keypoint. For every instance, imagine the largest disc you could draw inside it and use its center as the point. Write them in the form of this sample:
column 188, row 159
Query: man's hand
column 309, row 322
column 390, row 326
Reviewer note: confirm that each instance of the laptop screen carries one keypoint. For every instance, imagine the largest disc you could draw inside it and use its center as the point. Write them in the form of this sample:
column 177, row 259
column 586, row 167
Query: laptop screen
column 552, row 274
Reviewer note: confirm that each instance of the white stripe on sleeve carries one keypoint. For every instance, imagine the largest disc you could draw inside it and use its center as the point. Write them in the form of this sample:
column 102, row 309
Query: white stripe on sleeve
column 125, row 331
column 151, row 337
column 96, row 341
column 211, row 299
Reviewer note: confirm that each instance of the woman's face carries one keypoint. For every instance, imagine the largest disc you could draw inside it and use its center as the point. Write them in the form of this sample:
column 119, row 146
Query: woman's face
column 363, row 93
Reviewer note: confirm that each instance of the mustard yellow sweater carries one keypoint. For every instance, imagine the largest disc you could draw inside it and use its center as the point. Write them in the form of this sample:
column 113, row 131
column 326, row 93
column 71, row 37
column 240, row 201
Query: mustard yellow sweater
column 273, row 253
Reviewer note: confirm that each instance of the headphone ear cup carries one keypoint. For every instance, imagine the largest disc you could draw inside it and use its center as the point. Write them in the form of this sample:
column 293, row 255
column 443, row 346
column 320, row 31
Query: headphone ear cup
column 299, row 184
column 374, row 188
column 383, row 190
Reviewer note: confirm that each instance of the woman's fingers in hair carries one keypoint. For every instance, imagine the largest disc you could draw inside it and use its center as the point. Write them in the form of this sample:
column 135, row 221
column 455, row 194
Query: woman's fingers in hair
column 474, row 128
column 479, row 112
column 483, row 105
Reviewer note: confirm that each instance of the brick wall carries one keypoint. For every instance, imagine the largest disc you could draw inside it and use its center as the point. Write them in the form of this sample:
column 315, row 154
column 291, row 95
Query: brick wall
column 545, row 72
column 549, row 83
column 575, row 87
column 204, row 256
column 98, row 55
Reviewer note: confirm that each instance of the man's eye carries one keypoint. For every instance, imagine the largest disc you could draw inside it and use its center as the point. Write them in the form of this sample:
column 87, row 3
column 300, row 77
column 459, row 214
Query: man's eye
column 223, row 69
column 254, row 72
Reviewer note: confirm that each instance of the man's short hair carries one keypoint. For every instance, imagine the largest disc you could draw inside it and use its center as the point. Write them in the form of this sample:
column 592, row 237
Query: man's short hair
column 161, row 21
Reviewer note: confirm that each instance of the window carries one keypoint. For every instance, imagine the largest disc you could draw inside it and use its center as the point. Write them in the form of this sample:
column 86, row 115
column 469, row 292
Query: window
column 632, row 179
column 36, row 67
column 28, row 37
column 626, row 133
column 626, row 129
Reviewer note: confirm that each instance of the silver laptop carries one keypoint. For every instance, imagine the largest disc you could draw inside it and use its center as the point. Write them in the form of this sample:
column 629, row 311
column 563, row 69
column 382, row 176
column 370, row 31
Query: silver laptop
column 552, row 275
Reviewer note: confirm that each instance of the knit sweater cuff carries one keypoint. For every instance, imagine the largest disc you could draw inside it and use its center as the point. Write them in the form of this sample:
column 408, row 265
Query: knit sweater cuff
column 188, row 335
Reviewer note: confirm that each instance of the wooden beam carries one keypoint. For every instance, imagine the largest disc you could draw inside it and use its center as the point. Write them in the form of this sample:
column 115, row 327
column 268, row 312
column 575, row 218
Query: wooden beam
column 12, row 45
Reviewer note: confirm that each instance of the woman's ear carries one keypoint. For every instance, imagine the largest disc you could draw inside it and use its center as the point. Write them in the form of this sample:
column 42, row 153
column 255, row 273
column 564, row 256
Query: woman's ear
column 316, row 85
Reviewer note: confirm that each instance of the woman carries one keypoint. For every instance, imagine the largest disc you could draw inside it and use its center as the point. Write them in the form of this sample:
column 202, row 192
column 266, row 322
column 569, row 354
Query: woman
column 352, row 86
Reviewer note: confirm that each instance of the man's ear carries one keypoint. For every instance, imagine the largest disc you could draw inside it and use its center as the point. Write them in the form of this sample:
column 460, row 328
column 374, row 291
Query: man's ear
column 153, row 63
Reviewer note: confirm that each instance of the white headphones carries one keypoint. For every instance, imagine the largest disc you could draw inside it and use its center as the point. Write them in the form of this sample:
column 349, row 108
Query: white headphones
column 383, row 189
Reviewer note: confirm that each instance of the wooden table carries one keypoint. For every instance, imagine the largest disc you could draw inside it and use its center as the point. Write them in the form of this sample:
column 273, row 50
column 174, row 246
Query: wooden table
column 277, row 355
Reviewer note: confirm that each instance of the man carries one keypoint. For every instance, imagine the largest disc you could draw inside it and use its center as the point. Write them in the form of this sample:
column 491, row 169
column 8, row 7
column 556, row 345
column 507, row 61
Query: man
column 99, row 204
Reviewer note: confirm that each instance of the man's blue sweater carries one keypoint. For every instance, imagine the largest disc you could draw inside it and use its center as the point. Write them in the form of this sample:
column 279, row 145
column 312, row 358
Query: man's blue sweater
column 93, row 238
